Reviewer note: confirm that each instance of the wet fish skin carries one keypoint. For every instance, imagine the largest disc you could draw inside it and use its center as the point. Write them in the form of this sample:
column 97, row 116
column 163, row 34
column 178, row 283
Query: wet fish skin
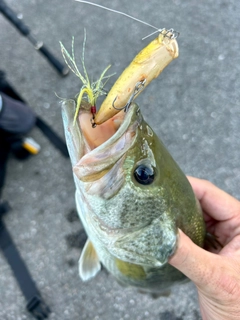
column 133, row 227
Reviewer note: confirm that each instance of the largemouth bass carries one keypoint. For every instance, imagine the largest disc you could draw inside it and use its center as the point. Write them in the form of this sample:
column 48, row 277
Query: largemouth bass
column 131, row 197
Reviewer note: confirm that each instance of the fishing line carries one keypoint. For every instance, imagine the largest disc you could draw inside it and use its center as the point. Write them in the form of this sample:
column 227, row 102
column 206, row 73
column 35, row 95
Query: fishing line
column 124, row 14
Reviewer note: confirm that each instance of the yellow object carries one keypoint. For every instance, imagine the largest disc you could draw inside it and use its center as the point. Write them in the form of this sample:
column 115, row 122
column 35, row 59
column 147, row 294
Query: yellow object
column 90, row 90
column 31, row 146
column 145, row 67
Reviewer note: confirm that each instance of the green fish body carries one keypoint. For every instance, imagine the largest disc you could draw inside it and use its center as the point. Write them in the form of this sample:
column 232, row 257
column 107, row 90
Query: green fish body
column 131, row 197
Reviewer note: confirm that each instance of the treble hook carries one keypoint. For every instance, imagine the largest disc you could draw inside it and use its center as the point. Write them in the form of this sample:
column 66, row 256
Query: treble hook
column 138, row 87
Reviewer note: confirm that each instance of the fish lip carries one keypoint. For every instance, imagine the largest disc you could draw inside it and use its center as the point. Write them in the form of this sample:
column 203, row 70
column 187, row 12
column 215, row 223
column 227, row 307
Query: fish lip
column 68, row 112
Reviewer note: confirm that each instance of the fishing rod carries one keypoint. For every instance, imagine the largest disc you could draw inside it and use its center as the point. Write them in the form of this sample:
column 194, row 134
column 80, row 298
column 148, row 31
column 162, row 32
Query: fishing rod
column 25, row 31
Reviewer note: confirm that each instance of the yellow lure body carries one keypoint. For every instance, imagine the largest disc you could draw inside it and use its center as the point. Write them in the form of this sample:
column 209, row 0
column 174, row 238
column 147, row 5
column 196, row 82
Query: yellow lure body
column 146, row 66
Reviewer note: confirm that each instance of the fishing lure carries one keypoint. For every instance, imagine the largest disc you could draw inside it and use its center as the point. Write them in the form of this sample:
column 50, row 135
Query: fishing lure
column 91, row 91
column 145, row 67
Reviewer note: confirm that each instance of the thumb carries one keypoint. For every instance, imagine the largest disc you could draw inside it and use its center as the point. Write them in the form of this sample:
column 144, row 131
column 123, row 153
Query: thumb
column 199, row 265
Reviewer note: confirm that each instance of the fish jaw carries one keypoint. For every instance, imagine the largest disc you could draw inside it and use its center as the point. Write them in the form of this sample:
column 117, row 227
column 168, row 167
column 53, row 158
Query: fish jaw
column 100, row 170
column 73, row 135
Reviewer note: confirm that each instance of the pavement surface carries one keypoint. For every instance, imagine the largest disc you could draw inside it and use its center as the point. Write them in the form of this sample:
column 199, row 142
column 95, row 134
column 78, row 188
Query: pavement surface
column 194, row 107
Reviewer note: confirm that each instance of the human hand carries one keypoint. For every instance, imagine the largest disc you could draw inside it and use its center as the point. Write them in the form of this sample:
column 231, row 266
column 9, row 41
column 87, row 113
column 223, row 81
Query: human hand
column 216, row 272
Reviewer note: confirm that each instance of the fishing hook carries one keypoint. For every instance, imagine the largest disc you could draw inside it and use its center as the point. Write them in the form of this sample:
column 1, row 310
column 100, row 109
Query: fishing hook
column 138, row 87
column 93, row 122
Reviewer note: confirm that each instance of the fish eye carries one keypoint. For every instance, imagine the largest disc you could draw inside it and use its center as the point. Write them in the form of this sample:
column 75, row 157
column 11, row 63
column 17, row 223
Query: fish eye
column 144, row 174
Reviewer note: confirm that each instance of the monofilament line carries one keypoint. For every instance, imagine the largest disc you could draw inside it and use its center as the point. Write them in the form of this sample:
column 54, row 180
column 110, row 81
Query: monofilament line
column 119, row 12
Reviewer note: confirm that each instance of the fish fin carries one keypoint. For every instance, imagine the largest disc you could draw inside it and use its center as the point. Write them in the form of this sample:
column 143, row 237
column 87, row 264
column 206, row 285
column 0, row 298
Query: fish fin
column 131, row 270
column 89, row 264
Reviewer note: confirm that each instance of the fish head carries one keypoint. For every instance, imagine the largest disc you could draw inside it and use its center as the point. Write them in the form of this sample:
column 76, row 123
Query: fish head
column 131, row 195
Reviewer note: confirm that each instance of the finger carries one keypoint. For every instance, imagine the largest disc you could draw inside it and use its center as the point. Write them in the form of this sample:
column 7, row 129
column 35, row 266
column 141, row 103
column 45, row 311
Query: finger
column 200, row 266
column 219, row 204
column 232, row 248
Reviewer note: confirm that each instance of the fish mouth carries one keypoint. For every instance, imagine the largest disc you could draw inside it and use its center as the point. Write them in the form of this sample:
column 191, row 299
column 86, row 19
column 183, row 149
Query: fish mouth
column 85, row 137
column 98, row 154
column 95, row 136
column 94, row 152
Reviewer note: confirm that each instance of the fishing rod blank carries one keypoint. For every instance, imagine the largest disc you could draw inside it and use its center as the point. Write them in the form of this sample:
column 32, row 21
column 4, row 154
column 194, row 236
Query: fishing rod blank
column 25, row 31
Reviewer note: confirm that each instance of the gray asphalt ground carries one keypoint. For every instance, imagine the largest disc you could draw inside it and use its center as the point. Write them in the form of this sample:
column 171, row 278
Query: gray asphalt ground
column 193, row 107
